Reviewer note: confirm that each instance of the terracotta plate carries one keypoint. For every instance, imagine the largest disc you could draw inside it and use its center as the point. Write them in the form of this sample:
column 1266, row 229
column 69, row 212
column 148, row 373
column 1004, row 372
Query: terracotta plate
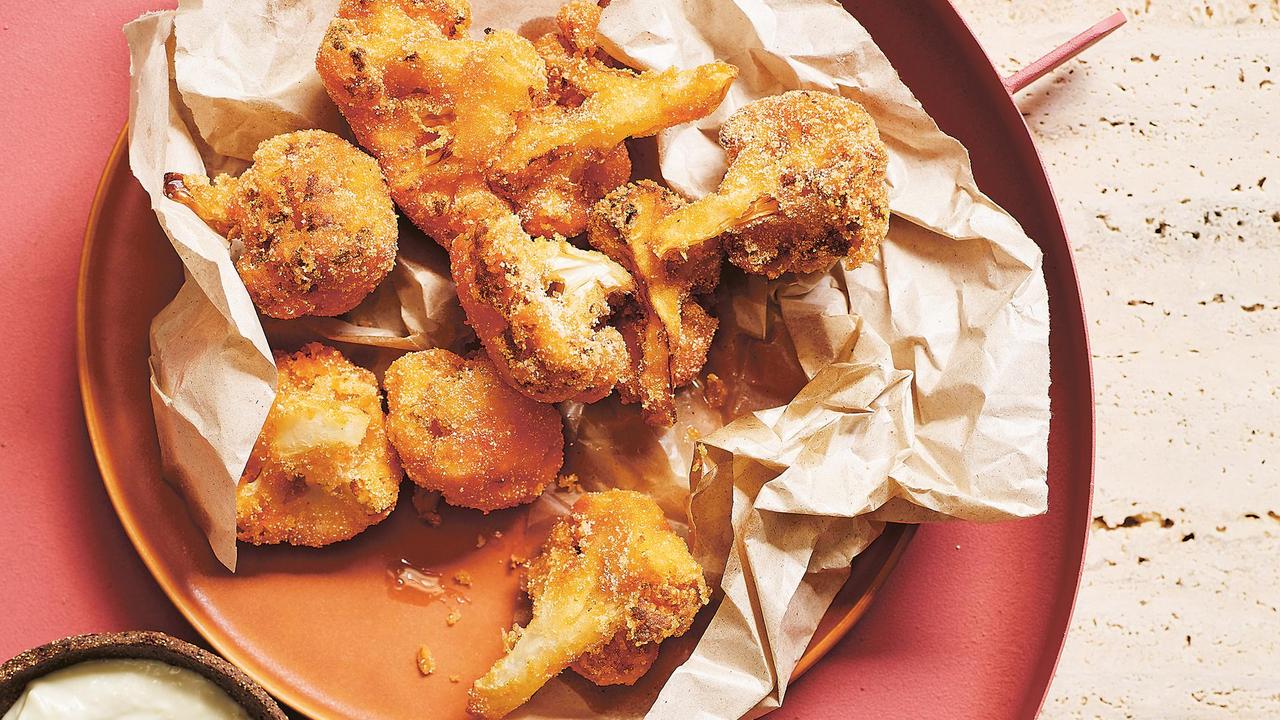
column 325, row 631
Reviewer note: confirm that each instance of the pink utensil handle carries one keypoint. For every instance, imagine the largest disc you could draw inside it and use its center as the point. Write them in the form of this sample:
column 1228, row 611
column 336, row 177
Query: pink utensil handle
column 1063, row 53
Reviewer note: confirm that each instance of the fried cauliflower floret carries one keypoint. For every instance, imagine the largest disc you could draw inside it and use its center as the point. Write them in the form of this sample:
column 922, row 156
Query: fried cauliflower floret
column 322, row 469
column 611, row 568
column 668, row 333
column 315, row 219
column 444, row 113
column 460, row 429
column 540, row 306
column 576, row 140
column 473, row 134
column 431, row 104
column 805, row 187
column 615, row 102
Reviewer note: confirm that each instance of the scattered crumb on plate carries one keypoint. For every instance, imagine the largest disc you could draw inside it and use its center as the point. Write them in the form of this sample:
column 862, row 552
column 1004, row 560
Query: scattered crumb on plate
column 426, row 663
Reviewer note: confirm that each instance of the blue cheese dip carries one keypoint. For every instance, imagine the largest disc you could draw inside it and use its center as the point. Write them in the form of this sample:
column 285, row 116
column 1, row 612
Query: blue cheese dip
column 124, row 689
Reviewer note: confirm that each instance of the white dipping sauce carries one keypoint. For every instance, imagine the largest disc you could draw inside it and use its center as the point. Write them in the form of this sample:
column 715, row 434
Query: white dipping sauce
column 124, row 690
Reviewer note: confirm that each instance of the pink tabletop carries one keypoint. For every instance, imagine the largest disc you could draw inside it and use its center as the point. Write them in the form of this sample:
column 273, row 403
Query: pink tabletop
column 66, row 565
column 959, row 631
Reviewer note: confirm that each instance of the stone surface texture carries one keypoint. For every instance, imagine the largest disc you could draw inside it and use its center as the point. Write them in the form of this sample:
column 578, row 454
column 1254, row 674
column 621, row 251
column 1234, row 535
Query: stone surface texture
column 1163, row 145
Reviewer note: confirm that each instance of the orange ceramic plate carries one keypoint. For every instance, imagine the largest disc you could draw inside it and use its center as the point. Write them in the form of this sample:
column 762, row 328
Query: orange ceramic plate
column 323, row 630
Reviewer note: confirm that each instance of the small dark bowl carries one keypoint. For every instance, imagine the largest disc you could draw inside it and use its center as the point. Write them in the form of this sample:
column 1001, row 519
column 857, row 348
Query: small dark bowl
column 137, row 645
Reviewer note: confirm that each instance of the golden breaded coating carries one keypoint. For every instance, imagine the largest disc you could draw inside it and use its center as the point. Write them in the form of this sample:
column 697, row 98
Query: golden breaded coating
column 603, row 105
column 805, row 187
column 539, row 305
column 431, row 104
column 315, row 219
column 448, row 115
column 611, row 568
column 553, row 193
column 619, row 662
column 459, row 429
column 669, row 333
column 322, row 469
column 576, row 141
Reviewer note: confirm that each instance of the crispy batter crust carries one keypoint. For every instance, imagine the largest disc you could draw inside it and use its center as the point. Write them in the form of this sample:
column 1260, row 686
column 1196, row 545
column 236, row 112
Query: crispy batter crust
column 431, row 104
column 322, row 469
column 619, row 662
column 461, row 430
column 539, row 123
column 315, row 219
column 832, row 203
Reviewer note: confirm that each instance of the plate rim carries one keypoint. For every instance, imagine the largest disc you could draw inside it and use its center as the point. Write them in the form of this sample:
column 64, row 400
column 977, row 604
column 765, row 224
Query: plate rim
column 1024, row 142
column 131, row 523
column 1008, row 106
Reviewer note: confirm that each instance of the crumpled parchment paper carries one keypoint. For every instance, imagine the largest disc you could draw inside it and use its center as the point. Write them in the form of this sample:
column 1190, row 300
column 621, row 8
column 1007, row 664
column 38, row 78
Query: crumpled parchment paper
column 912, row 389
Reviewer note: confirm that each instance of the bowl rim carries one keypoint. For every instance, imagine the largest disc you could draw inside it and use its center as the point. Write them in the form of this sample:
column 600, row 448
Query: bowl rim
column 17, row 672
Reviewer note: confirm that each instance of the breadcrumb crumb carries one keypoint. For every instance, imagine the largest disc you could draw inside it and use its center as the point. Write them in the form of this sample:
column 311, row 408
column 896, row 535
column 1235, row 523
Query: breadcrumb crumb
column 569, row 482
column 715, row 391
column 454, row 616
column 426, row 663
column 463, row 578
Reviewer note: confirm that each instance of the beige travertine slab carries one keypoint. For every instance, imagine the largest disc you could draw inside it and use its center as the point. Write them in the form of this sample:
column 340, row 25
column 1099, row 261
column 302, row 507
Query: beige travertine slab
column 1163, row 144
